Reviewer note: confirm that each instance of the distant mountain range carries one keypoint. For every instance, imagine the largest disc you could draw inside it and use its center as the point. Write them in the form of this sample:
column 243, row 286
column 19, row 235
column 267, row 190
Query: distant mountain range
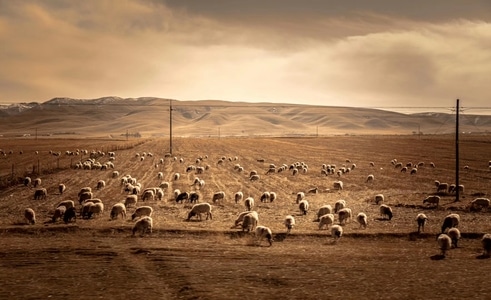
column 116, row 117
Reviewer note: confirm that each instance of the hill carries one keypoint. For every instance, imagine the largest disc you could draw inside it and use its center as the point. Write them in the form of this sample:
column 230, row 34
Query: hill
column 116, row 117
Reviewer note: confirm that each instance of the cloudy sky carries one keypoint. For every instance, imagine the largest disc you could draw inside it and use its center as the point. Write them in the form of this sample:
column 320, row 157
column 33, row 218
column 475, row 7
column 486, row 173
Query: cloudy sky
column 377, row 53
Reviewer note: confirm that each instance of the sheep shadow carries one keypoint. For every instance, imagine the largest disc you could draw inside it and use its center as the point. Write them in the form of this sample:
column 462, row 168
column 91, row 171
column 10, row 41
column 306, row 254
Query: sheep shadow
column 437, row 257
column 382, row 219
column 280, row 237
column 483, row 256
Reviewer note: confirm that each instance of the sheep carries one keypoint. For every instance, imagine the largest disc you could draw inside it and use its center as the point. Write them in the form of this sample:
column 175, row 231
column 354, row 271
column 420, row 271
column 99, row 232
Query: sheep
column 263, row 232
column 340, row 204
column 200, row 208
column 238, row 197
column 336, row 232
column 445, row 243
column 66, row 203
column 148, row 194
column 164, row 185
column 289, row 223
column 218, row 196
column 84, row 196
column 159, row 193
column 344, row 215
column 314, row 190
column 70, row 214
column 100, row 184
column 486, row 244
column 36, row 182
column 452, row 220
column 379, row 198
column 326, row 220
column 118, row 209
column 61, row 188
column 240, row 218
column 264, row 197
column 142, row 211
column 177, row 192
column 432, row 200
column 59, row 213
column 249, row 203
column 386, row 210
column 414, row 171
column 30, row 216
column 325, row 209
column 176, row 176
column 130, row 200
column 250, row 221
column 255, row 177
column 421, row 220
column 338, row 185
column 442, row 187
column 86, row 189
column 370, row 178
column 143, row 225
column 85, row 210
column 96, row 208
column 183, row 196
column 300, row 197
column 479, row 204
column 193, row 197
column 362, row 219
column 160, row 175
column 272, row 196
column 303, row 206
column 41, row 193
column 454, row 234
column 115, row 174
column 27, row 181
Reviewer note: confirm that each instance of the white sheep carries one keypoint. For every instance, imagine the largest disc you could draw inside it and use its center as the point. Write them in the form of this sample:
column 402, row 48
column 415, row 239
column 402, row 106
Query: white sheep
column 454, row 234
column 338, row 185
column 66, row 203
column 379, row 198
column 61, row 188
column 303, row 206
column 325, row 209
column 96, row 208
column 27, row 181
column 142, row 211
column 130, row 200
column 336, row 232
column 148, row 194
column 118, row 209
column 85, row 209
column 344, row 215
column 452, row 220
column 36, row 182
column 263, row 232
column 386, row 211
column 370, row 178
column 479, row 204
column 59, row 213
column 240, row 218
column 101, row 184
column 200, row 208
column 164, row 185
column 264, row 197
column 143, row 225
column 238, row 196
column 362, row 219
column 432, row 199
column 486, row 244
column 176, row 176
column 249, row 203
column 272, row 196
column 218, row 196
column 445, row 243
column 421, row 219
column 340, row 204
column 289, row 223
column 30, row 216
column 250, row 221
column 300, row 197
column 40, row 194
column 255, row 177
column 326, row 220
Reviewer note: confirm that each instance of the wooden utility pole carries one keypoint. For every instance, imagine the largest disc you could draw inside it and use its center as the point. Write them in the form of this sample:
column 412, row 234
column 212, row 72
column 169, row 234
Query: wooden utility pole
column 170, row 126
column 457, row 194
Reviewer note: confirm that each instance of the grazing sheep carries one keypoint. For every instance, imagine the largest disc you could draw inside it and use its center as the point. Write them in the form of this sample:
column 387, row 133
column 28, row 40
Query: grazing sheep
column 444, row 242
column 314, row 190
column 41, row 193
column 61, row 188
column 115, row 174
column 30, row 216
column 218, row 196
column 324, row 209
column 289, row 223
column 70, row 214
column 370, row 178
column 100, row 184
column 452, row 220
column 27, row 181
column 85, row 210
column 344, row 215
column 200, row 208
column 164, row 185
column 421, row 220
column 386, row 210
column 442, row 187
column 177, row 192
column 118, row 209
column 84, row 196
column 66, row 203
column 338, row 185
column 432, row 200
column 454, row 234
column 326, row 220
column 159, row 193
column 255, row 177
column 86, row 189
column 59, row 213
column 143, row 225
column 479, row 204
column 362, row 219
column 176, row 176
column 486, row 244
column 96, row 208
column 130, row 200
column 148, row 194
column 160, row 175
column 141, row 212
column 263, row 232
column 249, row 221
column 240, row 217
column 414, row 171
column 272, row 196
column 336, row 232
column 303, row 206
column 249, row 203
column 238, row 197
column 36, row 182
column 340, row 204
column 300, row 197
column 379, row 198
column 193, row 197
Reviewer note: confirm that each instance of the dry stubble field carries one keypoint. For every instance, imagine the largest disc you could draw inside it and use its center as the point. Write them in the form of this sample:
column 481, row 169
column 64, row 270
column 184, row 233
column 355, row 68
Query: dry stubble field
column 211, row 260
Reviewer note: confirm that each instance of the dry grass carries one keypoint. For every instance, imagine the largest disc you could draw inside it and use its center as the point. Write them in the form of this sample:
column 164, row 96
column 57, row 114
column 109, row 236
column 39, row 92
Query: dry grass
column 209, row 260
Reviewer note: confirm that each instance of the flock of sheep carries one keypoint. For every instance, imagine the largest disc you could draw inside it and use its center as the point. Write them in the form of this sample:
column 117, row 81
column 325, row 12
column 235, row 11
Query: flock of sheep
column 333, row 217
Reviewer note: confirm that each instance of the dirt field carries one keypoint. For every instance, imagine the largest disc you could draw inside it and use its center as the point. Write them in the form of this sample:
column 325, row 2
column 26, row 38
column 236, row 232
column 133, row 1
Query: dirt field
column 210, row 260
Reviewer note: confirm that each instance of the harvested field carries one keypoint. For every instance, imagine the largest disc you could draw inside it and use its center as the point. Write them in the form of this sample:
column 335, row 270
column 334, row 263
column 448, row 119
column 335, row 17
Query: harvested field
column 209, row 259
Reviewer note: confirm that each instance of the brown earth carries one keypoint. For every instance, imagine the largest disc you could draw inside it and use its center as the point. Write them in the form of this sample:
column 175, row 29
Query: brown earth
column 210, row 260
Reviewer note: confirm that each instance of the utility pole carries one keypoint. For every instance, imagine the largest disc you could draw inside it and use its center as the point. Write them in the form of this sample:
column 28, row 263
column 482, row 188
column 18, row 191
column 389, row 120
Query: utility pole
column 457, row 152
column 170, row 126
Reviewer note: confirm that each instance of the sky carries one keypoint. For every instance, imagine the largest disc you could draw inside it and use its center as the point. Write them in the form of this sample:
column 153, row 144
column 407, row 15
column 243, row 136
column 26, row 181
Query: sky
column 377, row 53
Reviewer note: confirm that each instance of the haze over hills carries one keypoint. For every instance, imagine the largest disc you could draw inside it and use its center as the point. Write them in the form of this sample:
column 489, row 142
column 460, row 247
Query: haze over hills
column 113, row 116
